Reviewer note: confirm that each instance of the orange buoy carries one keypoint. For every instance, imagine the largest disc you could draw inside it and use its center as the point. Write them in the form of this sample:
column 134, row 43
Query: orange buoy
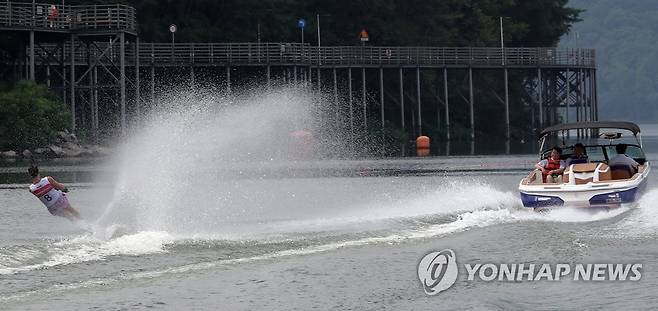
column 422, row 146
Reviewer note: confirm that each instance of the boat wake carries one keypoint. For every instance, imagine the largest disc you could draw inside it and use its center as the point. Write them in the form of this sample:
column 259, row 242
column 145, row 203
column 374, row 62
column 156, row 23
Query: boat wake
column 443, row 212
column 78, row 249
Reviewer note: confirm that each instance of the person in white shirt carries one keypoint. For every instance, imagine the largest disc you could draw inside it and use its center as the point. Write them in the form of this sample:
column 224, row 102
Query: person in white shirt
column 51, row 194
column 622, row 160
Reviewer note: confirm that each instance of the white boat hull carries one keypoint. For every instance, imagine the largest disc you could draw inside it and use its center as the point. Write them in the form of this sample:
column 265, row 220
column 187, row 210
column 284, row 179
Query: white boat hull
column 592, row 194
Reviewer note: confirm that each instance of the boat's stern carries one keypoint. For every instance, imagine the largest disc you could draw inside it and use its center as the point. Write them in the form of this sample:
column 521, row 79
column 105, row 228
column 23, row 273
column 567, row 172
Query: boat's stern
column 611, row 193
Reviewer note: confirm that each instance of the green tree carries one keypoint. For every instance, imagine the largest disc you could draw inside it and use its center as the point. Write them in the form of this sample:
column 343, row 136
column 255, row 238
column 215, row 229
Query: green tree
column 30, row 115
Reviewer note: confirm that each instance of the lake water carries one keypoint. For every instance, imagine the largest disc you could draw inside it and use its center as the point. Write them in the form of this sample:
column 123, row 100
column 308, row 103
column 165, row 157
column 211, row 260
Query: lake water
column 307, row 235
column 202, row 207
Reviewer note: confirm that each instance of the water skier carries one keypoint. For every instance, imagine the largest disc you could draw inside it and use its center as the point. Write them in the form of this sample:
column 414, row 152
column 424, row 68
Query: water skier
column 52, row 195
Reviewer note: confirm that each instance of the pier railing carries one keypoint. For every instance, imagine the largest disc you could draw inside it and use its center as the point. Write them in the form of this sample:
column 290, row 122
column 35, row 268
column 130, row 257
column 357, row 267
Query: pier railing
column 236, row 54
column 293, row 53
column 54, row 16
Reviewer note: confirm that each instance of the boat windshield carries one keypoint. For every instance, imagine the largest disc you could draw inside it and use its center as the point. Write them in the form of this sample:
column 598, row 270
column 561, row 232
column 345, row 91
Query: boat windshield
column 602, row 153
column 598, row 149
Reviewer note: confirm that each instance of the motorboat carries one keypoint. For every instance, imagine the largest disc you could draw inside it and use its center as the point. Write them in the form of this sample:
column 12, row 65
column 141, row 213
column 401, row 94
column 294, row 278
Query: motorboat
column 593, row 182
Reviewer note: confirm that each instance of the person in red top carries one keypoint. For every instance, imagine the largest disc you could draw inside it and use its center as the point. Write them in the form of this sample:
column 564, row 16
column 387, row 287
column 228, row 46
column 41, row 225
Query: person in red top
column 53, row 14
column 552, row 166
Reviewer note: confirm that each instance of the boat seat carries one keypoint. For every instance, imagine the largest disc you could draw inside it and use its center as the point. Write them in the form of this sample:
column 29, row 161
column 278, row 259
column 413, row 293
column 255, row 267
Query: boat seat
column 584, row 167
column 604, row 172
column 621, row 172
column 580, row 174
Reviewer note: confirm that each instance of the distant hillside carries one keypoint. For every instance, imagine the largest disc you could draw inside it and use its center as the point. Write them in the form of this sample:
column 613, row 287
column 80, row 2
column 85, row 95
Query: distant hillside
column 625, row 36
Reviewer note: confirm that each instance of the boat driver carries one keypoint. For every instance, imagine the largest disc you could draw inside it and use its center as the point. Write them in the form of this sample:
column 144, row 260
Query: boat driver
column 578, row 156
column 552, row 167
column 622, row 160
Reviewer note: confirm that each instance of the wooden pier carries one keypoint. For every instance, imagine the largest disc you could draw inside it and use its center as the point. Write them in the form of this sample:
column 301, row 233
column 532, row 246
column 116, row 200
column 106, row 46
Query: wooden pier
column 92, row 55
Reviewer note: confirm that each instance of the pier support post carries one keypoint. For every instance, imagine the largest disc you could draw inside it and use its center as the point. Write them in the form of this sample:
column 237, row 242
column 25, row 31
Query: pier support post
column 122, row 68
column 90, row 88
column 32, row 77
column 95, row 105
column 364, row 99
column 445, row 100
column 138, row 98
column 381, row 97
column 192, row 78
column 62, row 63
column 336, row 95
column 72, row 83
column 583, row 111
column 349, row 88
column 268, row 77
column 228, row 79
column 566, row 99
column 507, row 125
column 540, row 98
column 402, row 98
column 152, row 85
column 420, row 120
column 470, row 103
column 596, row 98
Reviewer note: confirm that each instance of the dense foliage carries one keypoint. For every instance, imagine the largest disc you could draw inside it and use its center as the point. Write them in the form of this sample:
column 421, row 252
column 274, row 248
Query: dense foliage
column 30, row 115
column 389, row 22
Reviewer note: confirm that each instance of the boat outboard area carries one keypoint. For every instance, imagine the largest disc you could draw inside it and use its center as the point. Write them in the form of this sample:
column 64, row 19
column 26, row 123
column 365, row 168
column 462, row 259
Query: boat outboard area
column 587, row 164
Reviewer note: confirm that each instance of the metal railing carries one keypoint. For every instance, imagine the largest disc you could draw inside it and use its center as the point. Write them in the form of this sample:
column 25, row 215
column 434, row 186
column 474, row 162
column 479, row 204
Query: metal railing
column 225, row 54
column 230, row 53
column 444, row 56
column 51, row 16
column 295, row 53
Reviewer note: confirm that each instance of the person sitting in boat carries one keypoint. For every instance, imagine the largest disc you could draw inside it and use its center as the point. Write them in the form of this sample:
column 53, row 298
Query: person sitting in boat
column 578, row 156
column 622, row 161
column 552, row 167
